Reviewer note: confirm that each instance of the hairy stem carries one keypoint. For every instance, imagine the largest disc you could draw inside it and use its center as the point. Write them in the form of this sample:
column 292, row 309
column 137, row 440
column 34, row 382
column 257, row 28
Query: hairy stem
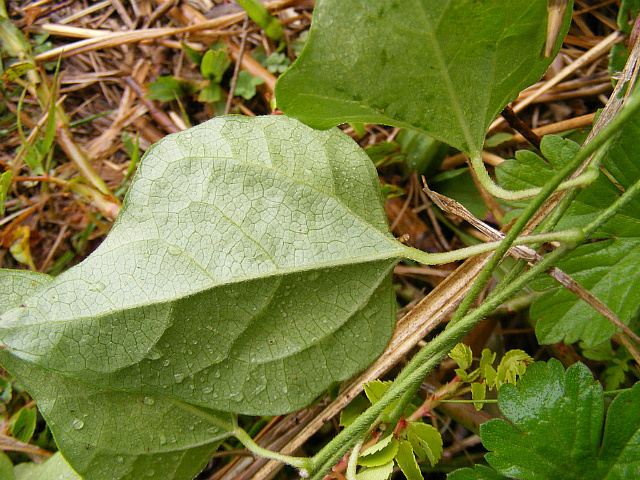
column 418, row 368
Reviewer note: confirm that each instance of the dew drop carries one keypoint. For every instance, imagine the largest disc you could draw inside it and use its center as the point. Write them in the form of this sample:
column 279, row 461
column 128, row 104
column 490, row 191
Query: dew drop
column 163, row 439
column 207, row 390
column 166, row 363
column 179, row 377
column 154, row 354
column 119, row 459
column 149, row 401
column 216, row 374
column 191, row 428
column 77, row 424
column 173, row 250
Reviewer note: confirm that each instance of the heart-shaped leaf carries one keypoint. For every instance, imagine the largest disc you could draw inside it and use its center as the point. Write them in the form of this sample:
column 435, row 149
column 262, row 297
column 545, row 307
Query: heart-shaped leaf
column 447, row 68
column 248, row 270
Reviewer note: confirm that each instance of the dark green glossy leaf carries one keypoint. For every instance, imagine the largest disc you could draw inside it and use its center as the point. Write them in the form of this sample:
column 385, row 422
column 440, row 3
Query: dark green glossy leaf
column 446, row 68
column 555, row 424
column 479, row 473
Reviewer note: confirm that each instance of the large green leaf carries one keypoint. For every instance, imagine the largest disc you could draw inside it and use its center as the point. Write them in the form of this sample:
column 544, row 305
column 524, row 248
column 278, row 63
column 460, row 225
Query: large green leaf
column 248, row 270
column 555, row 424
column 610, row 268
column 106, row 434
column 447, row 67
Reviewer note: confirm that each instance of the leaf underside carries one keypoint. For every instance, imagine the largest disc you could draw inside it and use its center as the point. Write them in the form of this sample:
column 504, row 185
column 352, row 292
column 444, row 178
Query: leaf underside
column 106, row 434
column 447, row 68
column 248, row 270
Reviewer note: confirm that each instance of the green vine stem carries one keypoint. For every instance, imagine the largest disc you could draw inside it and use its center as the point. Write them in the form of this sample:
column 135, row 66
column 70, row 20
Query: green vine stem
column 497, row 191
column 570, row 235
column 604, row 136
column 304, row 464
column 426, row 359
column 353, row 461
column 414, row 373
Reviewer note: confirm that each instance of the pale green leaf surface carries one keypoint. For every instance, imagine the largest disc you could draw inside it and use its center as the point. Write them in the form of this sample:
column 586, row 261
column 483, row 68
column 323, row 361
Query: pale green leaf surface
column 376, row 473
column 109, row 435
column 380, row 453
column 554, row 428
column 425, row 440
column 447, row 68
column 610, row 269
column 55, row 468
column 249, row 269
column 407, row 461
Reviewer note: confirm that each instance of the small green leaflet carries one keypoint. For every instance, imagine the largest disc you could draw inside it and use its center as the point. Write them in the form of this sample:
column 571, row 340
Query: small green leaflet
column 609, row 268
column 445, row 68
column 425, row 440
column 380, row 453
column 406, row 460
column 554, row 429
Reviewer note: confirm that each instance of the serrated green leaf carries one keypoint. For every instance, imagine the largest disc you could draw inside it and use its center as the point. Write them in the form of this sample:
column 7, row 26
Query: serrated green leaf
column 406, row 460
column 446, row 68
column 610, row 269
column 374, row 391
column 490, row 375
column 487, row 357
column 376, row 473
column 462, row 355
column 380, row 453
column 554, row 428
column 480, row 473
column 55, row 468
column 154, row 437
column 249, row 269
column 425, row 440
column 512, row 365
